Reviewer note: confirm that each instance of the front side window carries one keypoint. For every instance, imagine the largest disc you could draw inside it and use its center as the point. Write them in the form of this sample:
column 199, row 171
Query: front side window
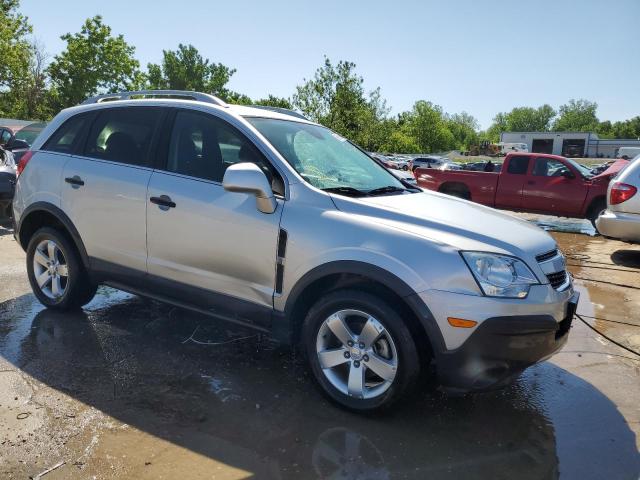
column 325, row 159
column 548, row 167
column 203, row 146
column 123, row 135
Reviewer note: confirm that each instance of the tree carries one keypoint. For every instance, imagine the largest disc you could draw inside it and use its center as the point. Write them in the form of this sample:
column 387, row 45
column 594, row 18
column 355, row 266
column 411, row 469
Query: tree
column 577, row 116
column 93, row 62
column 464, row 128
column 521, row 119
column 427, row 125
column 15, row 48
column 30, row 97
column 335, row 97
column 14, row 44
column 273, row 101
column 186, row 69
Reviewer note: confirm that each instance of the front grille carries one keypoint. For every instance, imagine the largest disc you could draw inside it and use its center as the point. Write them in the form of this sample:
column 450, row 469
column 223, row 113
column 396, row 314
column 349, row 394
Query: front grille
column 543, row 257
column 557, row 279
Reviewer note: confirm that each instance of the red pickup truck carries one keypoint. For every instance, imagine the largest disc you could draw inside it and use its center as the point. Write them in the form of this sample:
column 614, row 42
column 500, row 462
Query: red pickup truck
column 529, row 182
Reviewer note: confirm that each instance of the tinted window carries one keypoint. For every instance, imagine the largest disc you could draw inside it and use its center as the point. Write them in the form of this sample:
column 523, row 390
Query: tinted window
column 518, row 165
column 203, row 146
column 123, row 135
column 67, row 136
column 548, row 167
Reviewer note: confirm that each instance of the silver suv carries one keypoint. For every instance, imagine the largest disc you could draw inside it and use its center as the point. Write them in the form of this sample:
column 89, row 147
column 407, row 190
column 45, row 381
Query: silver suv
column 268, row 220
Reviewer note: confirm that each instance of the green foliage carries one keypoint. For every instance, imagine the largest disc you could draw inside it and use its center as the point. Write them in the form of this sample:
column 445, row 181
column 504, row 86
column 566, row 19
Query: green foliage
column 14, row 44
column 335, row 97
column 427, row 124
column 577, row 116
column 93, row 62
column 273, row 101
column 16, row 52
column 464, row 128
column 186, row 69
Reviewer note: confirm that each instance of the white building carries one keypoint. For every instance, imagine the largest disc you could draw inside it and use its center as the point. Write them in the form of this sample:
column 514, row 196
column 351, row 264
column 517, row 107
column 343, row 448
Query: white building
column 569, row 144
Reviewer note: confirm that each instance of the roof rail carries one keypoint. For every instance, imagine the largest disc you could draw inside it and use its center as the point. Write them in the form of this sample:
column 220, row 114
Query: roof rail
column 284, row 111
column 178, row 94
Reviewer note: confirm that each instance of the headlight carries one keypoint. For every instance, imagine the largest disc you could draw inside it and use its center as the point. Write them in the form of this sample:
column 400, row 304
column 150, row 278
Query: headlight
column 500, row 275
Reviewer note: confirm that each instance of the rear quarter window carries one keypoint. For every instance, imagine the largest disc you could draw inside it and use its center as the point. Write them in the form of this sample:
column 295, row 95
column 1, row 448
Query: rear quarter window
column 67, row 138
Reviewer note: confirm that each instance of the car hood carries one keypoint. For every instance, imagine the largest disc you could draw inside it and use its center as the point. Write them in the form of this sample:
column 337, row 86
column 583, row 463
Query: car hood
column 459, row 223
column 613, row 170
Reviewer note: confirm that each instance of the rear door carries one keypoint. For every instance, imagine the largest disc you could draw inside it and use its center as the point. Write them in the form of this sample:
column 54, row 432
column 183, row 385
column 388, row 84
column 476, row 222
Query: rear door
column 548, row 191
column 509, row 191
column 105, row 185
column 206, row 242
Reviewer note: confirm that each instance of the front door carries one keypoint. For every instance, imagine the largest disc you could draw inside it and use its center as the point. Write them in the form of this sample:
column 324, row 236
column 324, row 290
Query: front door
column 203, row 239
column 548, row 190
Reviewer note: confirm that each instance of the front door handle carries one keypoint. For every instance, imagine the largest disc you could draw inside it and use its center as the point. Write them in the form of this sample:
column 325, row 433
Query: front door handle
column 75, row 181
column 163, row 201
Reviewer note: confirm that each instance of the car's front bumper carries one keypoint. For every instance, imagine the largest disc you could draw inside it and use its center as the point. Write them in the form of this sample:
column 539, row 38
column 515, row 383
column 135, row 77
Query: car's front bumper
column 511, row 335
column 624, row 226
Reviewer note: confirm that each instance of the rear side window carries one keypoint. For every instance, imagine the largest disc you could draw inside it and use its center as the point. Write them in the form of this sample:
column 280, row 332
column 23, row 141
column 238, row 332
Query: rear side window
column 123, row 135
column 518, row 165
column 66, row 138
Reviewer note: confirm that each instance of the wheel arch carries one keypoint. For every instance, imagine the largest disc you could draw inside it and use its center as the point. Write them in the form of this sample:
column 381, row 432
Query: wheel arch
column 44, row 214
column 355, row 274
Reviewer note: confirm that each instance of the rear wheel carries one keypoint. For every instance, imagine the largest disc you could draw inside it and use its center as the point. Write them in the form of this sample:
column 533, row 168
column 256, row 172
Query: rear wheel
column 57, row 276
column 360, row 351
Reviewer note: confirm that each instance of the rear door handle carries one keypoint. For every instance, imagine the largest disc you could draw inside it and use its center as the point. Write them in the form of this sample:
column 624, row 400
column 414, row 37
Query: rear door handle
column 163, row 201
column 75, row 181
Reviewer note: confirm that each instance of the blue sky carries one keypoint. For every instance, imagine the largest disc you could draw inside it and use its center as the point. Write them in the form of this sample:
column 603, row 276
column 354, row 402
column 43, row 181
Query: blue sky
column 478, row 56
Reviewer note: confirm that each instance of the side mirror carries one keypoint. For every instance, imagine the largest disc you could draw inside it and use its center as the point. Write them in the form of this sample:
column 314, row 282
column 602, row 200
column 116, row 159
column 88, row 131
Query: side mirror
column 16, row 144
column 249, row 178
column 568, row 174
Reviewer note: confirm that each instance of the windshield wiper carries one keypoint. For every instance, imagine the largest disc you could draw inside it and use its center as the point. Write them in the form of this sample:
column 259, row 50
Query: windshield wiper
column 350, row 191
column 387, row 189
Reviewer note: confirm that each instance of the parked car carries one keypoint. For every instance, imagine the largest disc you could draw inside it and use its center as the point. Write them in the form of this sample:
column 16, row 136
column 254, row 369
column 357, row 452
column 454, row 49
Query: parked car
column 531, row 182
column 431, row 161
column 277, row 223
column 621, row 220
column 627, row 153
column 7, row 182
column 399, row 163
column 19, row 139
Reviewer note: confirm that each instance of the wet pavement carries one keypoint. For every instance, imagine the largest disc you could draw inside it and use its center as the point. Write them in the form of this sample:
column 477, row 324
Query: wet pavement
column 131, row 388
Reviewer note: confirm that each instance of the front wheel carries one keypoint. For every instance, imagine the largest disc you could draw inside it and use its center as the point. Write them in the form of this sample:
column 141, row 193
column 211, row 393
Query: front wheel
column 597, row 209
column 57, row 276
column 360, row 351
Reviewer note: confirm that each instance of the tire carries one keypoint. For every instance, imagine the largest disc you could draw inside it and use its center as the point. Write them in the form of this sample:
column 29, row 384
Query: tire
column 405, row 167
column 595, row 210
column 58, row 291
column 393, row 351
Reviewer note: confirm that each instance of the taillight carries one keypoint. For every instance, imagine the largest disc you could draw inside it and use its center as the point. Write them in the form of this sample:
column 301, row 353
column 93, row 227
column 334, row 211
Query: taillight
column 23, row 161
column 621, row 192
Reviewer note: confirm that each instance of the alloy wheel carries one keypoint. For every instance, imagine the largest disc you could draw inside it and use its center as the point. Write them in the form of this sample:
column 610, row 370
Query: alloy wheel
column 357, row 354
column 50, row 269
